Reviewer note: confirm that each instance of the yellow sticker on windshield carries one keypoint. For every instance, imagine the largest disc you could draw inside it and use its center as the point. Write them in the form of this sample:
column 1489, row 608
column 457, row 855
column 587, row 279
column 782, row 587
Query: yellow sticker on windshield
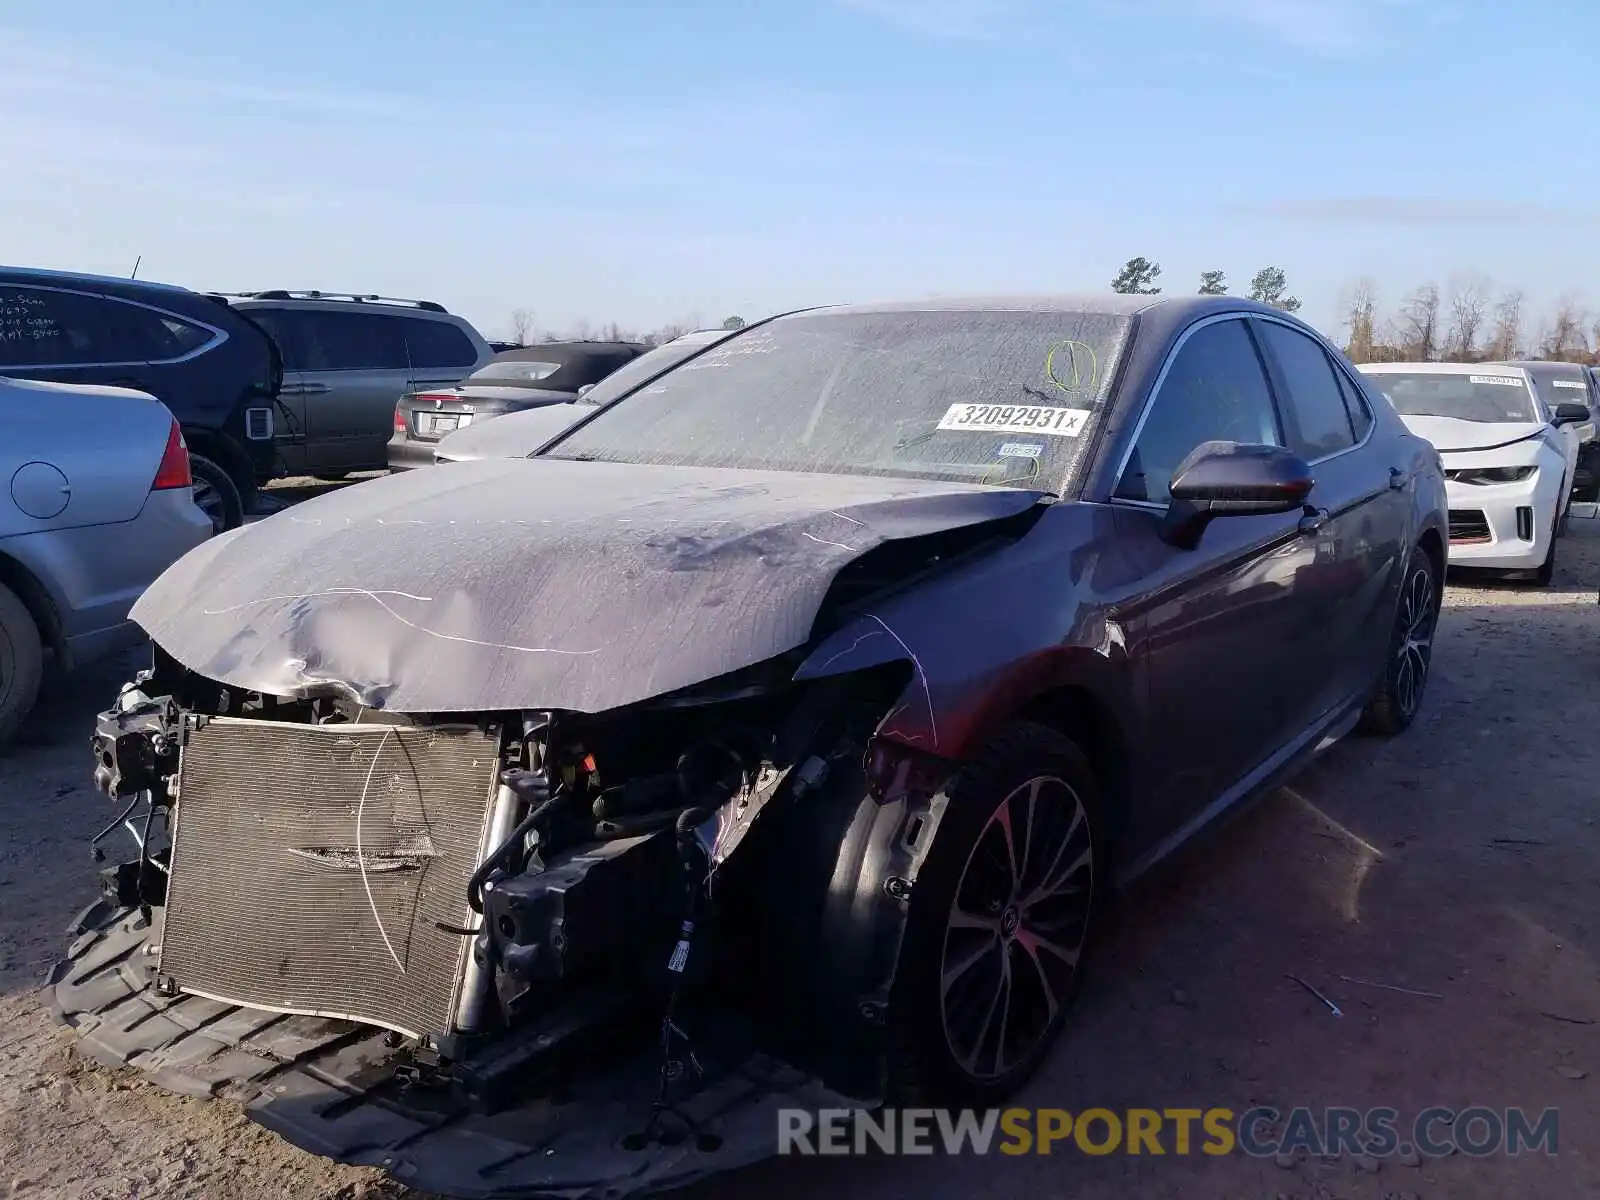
column 1072, row 366
column 1047, row 419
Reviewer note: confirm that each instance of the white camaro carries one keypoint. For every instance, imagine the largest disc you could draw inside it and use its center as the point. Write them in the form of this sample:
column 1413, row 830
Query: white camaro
column 1508, row 459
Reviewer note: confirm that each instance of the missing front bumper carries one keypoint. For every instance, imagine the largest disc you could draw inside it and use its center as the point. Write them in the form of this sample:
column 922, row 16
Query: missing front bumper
column 340, row 1090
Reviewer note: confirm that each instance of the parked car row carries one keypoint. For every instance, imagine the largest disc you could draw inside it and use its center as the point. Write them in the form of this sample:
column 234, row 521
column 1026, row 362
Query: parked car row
column 1516, row 440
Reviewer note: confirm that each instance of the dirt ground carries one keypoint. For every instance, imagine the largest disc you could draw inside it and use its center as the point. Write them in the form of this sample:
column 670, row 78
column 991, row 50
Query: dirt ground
column 1458, row 860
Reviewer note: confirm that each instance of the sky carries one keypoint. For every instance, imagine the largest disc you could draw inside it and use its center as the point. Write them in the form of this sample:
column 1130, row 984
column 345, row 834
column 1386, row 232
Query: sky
column 603, row 161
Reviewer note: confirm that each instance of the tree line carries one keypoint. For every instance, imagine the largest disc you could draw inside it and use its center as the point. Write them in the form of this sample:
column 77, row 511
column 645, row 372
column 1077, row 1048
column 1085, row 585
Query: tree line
column 523, row 330
column 1269, row 285
column 1467, row 320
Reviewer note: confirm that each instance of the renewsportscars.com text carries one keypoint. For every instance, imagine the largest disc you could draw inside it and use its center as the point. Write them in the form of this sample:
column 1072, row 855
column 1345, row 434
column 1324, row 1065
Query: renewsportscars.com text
column 1477, row 1131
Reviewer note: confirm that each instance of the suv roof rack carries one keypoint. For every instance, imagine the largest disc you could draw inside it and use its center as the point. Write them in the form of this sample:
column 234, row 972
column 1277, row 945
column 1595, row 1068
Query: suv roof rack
column 348, row 297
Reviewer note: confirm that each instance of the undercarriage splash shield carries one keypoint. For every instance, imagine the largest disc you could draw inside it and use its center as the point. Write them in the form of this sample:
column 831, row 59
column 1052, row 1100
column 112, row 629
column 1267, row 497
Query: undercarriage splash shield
column 322, row 870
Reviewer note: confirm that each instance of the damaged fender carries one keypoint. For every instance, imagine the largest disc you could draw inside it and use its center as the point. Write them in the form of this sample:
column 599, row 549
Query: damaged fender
column 1041, row 632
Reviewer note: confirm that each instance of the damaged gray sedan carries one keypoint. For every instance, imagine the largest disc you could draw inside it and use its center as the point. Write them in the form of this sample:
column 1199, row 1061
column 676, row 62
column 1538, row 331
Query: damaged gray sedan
column 541, row 827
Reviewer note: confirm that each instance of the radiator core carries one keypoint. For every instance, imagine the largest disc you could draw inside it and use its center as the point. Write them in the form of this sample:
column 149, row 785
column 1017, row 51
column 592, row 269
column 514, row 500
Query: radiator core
column 322, row 869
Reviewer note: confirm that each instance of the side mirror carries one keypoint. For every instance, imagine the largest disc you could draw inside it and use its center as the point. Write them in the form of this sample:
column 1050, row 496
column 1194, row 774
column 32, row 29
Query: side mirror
column 1569, row 414
column 1232, row 479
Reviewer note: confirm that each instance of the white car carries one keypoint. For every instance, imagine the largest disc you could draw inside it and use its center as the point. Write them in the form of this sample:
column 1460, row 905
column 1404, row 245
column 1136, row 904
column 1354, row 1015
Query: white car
column 1509, row 460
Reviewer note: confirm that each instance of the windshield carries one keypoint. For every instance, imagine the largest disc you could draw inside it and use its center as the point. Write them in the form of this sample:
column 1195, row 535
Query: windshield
column 620, row 381
column 1560, row 384
column 990, row 397
column 1485, row 397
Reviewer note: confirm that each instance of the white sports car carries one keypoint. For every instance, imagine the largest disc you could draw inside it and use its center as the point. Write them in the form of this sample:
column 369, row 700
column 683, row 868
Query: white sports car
column 1509, row 458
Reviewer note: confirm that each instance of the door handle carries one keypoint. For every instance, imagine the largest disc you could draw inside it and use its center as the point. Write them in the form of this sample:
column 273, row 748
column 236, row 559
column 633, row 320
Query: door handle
column 303, row 389
column 1313, row 520
column 1398, row 479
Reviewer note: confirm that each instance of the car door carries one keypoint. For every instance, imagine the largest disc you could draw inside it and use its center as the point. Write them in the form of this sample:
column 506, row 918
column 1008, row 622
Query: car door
column 1219, row 631
column 353, row 372
column 1358, row 532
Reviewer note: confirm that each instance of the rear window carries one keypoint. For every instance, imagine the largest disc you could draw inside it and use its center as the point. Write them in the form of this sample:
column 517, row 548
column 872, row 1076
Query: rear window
column 514, row 372
column 1490, row 395
column 438, row 344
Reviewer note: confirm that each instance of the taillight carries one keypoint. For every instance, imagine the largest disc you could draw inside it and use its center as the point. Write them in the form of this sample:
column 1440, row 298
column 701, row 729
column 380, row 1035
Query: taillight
column 399, row 419
column 174, row 469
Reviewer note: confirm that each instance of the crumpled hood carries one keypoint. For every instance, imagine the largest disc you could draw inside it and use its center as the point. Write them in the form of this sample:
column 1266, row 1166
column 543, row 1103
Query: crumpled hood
column 1452, row 433
column 535, row 583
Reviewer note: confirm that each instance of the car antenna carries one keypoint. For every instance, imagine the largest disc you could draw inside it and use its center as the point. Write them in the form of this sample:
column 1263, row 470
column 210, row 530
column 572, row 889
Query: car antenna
column 134, row 274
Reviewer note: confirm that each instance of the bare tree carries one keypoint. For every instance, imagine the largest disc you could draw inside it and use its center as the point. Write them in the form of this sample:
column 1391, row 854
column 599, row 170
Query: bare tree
column 1361, row 305
column 1505, row 335
column 1417, row 324
column 520, row 325
column 1469, row 305
column 1565, row 338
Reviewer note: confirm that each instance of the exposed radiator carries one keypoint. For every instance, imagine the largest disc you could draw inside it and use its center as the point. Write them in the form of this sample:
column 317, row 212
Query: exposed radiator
column 313, row 866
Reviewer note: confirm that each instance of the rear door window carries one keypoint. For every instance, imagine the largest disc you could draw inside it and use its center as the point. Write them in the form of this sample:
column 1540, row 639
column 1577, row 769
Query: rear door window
column 1316, row 411
column 1215, row 390
column 42, row 327
column 433, row 344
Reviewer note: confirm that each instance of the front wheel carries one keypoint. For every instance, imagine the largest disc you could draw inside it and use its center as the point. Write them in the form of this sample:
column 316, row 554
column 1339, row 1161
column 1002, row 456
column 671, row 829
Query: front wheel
column 1398, row 698
column 999, row 923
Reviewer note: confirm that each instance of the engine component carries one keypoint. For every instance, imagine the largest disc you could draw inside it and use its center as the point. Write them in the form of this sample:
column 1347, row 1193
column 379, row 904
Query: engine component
column 135, row 744
column 608, row 902
column 330, row 867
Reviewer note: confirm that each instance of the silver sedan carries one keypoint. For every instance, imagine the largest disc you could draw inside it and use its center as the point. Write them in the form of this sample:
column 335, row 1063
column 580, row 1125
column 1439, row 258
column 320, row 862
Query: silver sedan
column 97, row 501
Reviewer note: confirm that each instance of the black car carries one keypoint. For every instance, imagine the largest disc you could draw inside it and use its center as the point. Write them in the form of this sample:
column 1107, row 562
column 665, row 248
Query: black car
column 214, row 368
column 768, row 740
column 516, row 380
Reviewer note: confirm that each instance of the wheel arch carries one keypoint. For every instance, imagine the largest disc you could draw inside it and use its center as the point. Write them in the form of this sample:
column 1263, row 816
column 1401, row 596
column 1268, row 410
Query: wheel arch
column 37, row 600
column 222, row 450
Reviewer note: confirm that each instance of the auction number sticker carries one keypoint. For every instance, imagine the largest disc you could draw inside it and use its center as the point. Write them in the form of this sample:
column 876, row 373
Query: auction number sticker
column 1048, row 419
column 1569, row 383
column 1503, row 380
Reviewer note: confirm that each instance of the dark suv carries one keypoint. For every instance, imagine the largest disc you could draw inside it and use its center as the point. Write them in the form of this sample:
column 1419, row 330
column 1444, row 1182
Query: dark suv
column 216, row 369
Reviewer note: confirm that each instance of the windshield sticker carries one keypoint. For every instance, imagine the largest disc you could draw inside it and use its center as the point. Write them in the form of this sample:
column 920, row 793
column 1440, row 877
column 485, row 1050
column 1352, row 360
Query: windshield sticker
column 1568, row 383
column 1504, row 380
column 1072, row 366
column 1022, row 450
column 1047, row 420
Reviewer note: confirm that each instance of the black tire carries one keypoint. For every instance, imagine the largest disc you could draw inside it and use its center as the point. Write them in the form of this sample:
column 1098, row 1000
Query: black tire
column 216, row 494
column 975, row 933
column 1398, row 698
column 21, row 664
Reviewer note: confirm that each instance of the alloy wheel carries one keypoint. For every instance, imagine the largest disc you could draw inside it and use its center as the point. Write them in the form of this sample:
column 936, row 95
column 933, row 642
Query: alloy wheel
column 1418, row 615
column 1017, row 928
column 210, row 501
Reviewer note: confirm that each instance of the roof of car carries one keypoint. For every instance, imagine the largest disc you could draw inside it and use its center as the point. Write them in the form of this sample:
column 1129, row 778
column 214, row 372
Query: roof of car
column 1443, row 368
column 1177, row 307
column 46, row 274
column 1541, row 364
column 543, row 351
